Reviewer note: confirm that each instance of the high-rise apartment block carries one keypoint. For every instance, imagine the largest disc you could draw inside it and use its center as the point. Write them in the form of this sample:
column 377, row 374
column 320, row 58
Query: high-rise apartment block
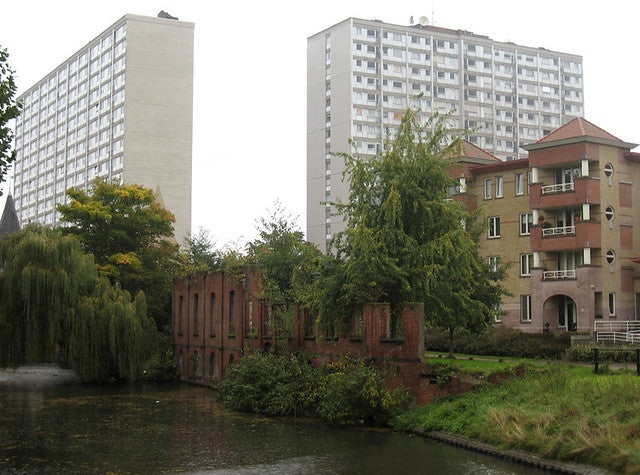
column 120, row 108
column 362, row 75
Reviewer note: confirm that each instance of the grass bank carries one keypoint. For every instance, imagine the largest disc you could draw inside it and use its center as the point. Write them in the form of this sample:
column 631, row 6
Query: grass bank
column 560, row 412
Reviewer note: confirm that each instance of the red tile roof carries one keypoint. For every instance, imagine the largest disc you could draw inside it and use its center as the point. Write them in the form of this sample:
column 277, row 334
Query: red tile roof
column 473, row 151
column 578, row 127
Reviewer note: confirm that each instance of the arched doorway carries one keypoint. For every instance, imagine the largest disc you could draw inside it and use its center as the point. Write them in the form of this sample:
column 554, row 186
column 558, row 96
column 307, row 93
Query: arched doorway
column 560, row 313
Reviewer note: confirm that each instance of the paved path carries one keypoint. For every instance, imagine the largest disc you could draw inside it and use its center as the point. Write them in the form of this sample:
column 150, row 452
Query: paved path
column 37, row 375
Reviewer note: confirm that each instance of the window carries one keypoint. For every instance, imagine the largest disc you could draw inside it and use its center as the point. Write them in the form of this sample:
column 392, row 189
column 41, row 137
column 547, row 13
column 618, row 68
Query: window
column 611, row 256
column 494, row 263
column 612, row 303
column 526, row 220
column 499, row 187
column 609, row 213
column 494, row 226
column 519, row 179
column 195, row 314
column 525, row 308
column 608, row 170
column 526, row 263
column 232, row 313
column 212, row 314
column 487, row 188
column 497, row 315
column 180, row 313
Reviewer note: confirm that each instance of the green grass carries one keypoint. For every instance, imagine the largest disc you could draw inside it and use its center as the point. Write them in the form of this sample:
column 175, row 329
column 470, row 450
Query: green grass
column 558, row 411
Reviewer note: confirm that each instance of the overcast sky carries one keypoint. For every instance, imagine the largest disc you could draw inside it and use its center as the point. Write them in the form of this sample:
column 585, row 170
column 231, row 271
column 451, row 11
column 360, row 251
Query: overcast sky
column 249, row 136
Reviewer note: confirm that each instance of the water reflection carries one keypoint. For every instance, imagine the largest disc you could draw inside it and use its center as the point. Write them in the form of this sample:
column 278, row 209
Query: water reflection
column 181, row 429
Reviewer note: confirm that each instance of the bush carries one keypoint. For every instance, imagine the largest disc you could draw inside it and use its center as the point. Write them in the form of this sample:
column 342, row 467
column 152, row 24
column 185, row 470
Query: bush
column 345, row 392
column 161, row 367
column 499, row 341
column 613, row 354
column 266, row 383
column 350, row 392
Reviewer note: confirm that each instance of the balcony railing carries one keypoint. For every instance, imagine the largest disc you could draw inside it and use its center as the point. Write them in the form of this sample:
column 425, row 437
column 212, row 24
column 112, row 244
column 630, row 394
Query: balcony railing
column 559, row 274
column 561, row 231
column 559, row 188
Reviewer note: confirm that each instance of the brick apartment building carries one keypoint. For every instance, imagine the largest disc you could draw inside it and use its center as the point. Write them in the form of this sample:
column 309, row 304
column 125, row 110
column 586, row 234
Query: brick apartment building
column 562, row 221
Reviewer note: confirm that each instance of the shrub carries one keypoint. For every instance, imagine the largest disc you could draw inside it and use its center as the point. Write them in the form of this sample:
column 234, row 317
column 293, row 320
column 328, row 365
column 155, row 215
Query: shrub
column 344, row 392
column 350, row 392
column 611, row 354
column 499, row 341
column 275, row 385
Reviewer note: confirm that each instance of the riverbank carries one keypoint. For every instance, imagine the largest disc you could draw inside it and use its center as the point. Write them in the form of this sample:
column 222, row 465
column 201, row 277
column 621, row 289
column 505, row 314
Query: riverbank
column 38, row 375
column 561, row 413
column 520, row 456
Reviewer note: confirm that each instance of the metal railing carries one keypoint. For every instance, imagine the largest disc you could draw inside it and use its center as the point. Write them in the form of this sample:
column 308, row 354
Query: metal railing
column 559, row 274
column 559, row 188
column 561, row 231
column 617, row 332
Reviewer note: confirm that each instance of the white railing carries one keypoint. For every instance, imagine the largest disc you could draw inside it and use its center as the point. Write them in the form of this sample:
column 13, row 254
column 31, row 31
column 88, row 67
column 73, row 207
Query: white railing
column 618, row 337
column 617, row 332
column 559, row 274
column 561, row 231
column 559, row 188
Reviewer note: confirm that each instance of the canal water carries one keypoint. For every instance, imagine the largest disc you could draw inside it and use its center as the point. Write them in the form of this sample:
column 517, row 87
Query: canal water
column 182, row 429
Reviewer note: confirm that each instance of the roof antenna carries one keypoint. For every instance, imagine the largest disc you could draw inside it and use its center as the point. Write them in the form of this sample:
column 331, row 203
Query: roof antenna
column 433, row 16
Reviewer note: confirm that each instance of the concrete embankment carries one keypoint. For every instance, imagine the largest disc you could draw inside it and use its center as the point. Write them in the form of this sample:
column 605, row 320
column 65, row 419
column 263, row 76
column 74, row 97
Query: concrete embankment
column 525, row 458
column 37, row 375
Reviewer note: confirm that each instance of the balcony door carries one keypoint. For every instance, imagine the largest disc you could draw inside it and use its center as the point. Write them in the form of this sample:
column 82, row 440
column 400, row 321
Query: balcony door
column 567, row 262
column 565, row 176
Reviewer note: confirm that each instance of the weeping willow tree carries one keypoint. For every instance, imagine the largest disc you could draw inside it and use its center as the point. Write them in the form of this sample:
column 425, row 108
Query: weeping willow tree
column 54, row 307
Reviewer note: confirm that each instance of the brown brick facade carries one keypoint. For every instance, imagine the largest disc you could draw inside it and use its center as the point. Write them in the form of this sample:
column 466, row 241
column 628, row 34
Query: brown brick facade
column 218, row 317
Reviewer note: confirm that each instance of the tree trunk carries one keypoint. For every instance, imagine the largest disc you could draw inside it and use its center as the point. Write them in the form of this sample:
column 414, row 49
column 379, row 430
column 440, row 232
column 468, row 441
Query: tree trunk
column 451, row 330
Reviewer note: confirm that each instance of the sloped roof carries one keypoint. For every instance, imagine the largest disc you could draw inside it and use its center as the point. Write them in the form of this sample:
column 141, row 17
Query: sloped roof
column 578, row 129
column 473, row 151
column 9, row 223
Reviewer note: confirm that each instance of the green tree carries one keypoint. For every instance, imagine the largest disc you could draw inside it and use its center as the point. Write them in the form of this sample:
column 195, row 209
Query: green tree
column 129, row 233
column 54, row 307
column 285, row 261
column 405, row 239
column 199, row 255
column 9, row 110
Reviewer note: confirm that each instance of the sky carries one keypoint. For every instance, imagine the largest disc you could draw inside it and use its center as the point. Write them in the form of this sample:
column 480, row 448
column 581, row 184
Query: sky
column 249, row 125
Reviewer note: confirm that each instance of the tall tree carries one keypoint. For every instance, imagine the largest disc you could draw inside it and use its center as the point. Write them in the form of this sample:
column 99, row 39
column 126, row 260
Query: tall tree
column 199, row 255
column 128, row 232
column 285, row 260
column 280, row 252
column 9, row 110
column 54, row 307
column 405, row 240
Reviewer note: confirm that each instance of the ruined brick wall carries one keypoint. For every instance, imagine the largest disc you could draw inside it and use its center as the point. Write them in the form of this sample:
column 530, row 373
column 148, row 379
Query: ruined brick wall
column 218, row 317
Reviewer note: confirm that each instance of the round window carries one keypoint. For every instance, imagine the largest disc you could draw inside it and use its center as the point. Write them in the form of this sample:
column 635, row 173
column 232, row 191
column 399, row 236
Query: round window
column 609, row 213
column 611, row 256
column 608, row 169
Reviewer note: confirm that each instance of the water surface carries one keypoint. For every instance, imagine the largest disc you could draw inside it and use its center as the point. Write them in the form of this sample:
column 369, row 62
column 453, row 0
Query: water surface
column 182, row 429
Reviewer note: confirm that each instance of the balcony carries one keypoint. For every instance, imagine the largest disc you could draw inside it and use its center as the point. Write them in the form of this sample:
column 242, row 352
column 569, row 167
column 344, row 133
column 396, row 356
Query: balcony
column 582, row 190
column 559, row 274
column 582, row 235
